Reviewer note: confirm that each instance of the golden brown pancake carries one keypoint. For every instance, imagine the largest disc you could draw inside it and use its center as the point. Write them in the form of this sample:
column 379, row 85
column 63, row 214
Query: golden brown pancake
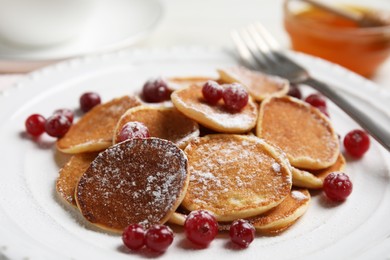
column 94, row 131
column 304, row 133
column 338, row 166
column 190, row 102
column 70, row 174
column 162, row 122
column 271, row 222
column 305, row 179
column 314, row 179
column 135, row 181
column 179, row 216
column 235, row 176
column 259, row 85
column 284, row 215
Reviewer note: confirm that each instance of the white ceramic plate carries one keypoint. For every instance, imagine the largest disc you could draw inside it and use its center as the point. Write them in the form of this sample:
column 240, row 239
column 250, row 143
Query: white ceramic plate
column 114, row 25
column 34, row 224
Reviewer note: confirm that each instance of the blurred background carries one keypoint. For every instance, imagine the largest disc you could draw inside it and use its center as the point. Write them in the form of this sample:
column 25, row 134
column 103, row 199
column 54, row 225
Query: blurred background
column 126, row 24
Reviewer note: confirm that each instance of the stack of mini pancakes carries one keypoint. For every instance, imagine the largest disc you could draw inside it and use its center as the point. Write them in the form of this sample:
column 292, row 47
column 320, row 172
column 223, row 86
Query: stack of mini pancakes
column 255, row 164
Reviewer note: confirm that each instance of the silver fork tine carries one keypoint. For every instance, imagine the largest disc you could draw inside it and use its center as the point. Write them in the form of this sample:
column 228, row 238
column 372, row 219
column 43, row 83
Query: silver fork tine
column 248, row 50
column 267, row 37
column 243, row 50
column 262, row 43
column 256, row 53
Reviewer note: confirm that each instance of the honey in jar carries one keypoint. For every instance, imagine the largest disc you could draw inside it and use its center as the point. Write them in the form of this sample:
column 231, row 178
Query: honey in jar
column 334, row 38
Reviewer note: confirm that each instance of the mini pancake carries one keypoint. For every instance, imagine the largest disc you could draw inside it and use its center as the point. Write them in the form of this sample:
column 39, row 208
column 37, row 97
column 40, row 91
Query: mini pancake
column 235, row 176
column 271, row 222
column 94, row 131
column 162, row 122
column 190, row 102
column 305, row 179
column 135, row 181
column 176, row 83
column 338, row 166
column 179, row 216
column 314, row 179
column 304, row 133
column 284, row 215
column 70, row 174
column 259, row 85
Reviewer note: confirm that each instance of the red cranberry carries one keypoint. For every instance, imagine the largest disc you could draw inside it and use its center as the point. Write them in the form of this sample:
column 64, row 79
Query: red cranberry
column 323, row 110
column 57, row 125
column 356, row 143
column 158, row 238
column 294, row 91
column 66, row 112
column 337, row 186
column 316, row 100
column 35, row 124
column 132, row 130
column 156, row 90
column 212, row 92
column 89, row 100
column 235, row 97
column 134, row 236
column 201, row 227
column 242, row 233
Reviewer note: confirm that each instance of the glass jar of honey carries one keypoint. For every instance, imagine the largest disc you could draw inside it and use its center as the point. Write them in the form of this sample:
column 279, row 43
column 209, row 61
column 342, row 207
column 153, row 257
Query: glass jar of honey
column 334, row 38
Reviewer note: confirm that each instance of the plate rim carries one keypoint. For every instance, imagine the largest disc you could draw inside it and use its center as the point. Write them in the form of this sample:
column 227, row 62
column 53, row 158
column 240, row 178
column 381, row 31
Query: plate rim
column 75, row 63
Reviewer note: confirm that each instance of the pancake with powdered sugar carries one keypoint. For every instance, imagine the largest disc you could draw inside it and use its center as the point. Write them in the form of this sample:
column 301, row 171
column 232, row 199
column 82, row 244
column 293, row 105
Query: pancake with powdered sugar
column 259, row 85
column 235, row 176
column 135, row 181
column 191, row 103
column 70, row 174
column 271, row 222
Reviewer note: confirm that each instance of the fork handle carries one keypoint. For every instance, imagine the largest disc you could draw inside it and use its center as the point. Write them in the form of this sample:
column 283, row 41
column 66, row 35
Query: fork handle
column 375, row 128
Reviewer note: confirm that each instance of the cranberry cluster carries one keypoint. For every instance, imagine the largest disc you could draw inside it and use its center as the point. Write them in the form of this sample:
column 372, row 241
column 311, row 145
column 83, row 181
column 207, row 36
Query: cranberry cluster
column 157, row 238
column 200, row 228
column 234, row 95
column 58, row 124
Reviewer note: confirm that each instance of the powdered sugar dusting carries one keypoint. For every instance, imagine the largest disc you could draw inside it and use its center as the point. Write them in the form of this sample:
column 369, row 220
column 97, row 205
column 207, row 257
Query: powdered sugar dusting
column 276, row 167
column 297, row 195
column 230, row 169
column 134, row 181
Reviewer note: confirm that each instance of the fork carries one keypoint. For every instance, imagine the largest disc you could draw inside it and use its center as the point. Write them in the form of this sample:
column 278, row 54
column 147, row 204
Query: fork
column 259, row 50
